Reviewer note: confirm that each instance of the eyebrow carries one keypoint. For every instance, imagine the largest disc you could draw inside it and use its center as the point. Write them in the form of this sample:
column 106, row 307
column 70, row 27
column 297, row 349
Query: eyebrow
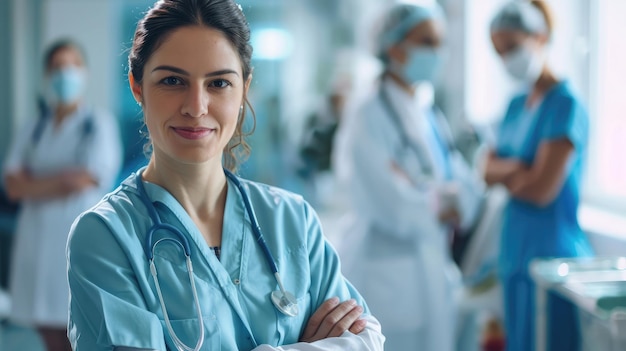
column 185, row 73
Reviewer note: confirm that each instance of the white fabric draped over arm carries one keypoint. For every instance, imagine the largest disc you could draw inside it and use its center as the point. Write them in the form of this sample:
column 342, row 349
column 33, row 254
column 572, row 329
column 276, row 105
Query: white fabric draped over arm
column 366, row 340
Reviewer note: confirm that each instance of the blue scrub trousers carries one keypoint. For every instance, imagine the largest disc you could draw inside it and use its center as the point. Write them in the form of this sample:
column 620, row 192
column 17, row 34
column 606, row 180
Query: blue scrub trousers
column 563, row 331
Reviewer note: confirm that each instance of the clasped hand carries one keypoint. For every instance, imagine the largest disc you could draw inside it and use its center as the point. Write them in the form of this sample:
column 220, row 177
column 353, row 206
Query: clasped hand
column 332, row 319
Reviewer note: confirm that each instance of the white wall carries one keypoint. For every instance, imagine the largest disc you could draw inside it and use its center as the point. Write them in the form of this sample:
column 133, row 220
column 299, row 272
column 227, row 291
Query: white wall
column 26, row 67
column 6, row 93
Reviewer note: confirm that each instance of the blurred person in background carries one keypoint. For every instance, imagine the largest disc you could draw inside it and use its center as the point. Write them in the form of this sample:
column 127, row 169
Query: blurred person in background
column 352, row 73
column 539, row 158
column 59, row 165
column 408, row 188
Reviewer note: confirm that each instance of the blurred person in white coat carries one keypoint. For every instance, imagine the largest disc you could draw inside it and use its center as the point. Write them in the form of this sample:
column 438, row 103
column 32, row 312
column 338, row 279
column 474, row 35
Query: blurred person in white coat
column 59, row 165
column 408, row 188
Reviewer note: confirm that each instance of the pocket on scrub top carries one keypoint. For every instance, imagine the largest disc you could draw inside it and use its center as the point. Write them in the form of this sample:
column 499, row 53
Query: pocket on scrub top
column 187, row 331
column 290, row 328
column 392, row 292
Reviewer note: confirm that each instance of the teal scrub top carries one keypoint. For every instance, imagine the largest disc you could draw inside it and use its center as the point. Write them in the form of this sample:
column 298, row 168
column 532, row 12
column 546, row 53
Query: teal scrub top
column 114, row 301
column 529, row 230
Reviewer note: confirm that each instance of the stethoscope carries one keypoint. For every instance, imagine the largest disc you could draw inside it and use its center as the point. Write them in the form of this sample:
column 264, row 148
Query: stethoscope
column 407, row 143
column 284, row 301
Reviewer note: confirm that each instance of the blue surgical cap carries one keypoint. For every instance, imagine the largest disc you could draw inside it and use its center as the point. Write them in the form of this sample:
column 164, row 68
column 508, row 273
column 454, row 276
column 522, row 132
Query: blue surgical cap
column 522, row 16
column 402, row 18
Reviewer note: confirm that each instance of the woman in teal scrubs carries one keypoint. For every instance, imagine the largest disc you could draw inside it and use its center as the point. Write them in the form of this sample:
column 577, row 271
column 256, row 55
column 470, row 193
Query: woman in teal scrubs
column 204, row 280
column 539, row 157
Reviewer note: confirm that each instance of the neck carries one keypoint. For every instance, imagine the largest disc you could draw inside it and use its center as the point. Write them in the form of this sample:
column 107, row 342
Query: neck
column 410, row 89
column 63, row 110
column 546, row 81
column 199, row 189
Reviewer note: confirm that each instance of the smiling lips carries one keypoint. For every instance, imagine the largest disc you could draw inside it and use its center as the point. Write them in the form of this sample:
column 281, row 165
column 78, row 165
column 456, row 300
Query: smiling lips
column 193, row 133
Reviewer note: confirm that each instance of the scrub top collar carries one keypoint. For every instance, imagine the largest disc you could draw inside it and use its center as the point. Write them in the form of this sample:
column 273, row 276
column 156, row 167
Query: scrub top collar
column 234, row 209
column 423, row 98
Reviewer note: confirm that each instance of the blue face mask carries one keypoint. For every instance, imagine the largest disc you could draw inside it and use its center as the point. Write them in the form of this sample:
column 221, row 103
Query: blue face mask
column 422, row 65
column 66, row 85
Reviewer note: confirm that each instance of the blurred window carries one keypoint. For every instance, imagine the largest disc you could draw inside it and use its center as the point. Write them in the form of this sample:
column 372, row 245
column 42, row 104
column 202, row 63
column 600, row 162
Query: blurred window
column 606, row 172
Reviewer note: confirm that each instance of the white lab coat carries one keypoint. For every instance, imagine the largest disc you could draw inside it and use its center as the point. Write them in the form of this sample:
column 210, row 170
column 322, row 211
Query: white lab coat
column 38, row 280
column 394, row 249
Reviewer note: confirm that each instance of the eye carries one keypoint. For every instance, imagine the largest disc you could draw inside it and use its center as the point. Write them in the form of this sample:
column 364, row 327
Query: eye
column 171, row 81
column 219, row 83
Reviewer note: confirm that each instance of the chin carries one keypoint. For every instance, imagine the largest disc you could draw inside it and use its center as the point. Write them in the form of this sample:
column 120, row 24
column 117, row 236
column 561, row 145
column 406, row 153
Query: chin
column 198, row 157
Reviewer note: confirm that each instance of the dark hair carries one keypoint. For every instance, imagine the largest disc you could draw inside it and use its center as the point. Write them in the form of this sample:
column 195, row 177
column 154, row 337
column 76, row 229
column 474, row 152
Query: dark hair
column 223, row 15
column 61, row 44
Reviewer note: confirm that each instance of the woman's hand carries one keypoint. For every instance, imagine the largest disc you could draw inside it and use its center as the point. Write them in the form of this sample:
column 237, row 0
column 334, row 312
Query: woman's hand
column 332, row 319
column 450, row 216
column 76, row 180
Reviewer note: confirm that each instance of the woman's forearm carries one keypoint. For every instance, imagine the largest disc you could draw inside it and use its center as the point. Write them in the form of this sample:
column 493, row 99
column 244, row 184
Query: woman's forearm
column 21, row 185
column 541, row 183
column 499, row 170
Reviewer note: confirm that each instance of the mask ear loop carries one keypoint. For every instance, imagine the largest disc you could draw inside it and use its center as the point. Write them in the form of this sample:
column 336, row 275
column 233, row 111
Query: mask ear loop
column 179, row 344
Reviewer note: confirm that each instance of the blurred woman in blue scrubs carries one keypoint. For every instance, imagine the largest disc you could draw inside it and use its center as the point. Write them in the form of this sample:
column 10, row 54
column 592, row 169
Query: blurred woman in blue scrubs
column 59, row 165
column 408, row 187
column 205, row 280
column 539, row 157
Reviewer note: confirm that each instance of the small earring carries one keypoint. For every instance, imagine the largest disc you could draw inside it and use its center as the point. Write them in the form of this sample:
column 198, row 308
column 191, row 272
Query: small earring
column 140, row 104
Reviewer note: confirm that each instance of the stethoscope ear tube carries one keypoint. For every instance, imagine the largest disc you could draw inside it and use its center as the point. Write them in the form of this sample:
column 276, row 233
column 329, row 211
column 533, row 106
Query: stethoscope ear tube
column 179, row 344
column 165, row 226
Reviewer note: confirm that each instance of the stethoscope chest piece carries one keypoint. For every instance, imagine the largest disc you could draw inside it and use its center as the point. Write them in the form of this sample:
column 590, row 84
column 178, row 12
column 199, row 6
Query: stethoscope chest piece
column 285, row 302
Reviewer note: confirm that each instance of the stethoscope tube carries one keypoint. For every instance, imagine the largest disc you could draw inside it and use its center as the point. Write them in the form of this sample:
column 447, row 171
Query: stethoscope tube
column 184, row 244
column 284, row 301
column 406, row 140
column 256, row 228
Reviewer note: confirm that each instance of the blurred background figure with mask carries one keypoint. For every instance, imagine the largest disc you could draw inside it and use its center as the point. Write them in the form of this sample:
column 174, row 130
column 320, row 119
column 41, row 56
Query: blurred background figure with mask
column 59, row 165
column 408, row 188
column 539, row 157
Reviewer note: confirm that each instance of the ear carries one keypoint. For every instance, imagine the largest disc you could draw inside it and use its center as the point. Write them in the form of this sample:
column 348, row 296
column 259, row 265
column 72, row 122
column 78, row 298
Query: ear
column 246, row 86
column 135, row 88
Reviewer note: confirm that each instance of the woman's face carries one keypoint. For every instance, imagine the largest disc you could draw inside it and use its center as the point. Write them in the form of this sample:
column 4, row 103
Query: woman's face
column 428, row 34
column 64, row 58
column 507, row 41
column 192, row 93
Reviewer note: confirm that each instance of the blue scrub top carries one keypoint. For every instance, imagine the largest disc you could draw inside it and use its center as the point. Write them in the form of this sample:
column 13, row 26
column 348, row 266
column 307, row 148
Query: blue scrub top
column 114, row 300
column 531, row 231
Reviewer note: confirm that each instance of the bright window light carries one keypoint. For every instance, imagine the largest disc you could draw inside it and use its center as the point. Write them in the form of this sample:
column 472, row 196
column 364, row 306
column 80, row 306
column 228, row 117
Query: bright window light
column 607, row 166
column 271, row 44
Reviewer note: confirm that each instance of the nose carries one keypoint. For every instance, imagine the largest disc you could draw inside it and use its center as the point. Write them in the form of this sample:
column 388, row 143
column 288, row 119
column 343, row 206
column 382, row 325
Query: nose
column 196, row 101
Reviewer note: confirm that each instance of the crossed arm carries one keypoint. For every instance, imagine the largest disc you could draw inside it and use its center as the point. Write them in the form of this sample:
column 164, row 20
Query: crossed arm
column 22, row 185
column 538, row 183
column 331, row 319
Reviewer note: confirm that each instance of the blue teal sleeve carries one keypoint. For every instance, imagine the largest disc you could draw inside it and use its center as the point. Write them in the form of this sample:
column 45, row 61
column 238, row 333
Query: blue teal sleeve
column 106, row 307
column 567, row 119
column 327, row 280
